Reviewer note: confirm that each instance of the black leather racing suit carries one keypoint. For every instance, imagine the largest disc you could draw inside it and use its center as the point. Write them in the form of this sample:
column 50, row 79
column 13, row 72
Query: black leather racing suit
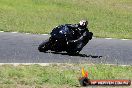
column 73, row 35
column 81, row 36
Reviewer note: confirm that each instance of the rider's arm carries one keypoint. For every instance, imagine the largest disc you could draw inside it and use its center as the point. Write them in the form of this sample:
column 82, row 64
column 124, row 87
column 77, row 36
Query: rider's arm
column 83, row 35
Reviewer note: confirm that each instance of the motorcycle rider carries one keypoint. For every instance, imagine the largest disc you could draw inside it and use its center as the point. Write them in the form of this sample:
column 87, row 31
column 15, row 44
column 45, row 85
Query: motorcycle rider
column 77, row 30
column 81, row 33
column 72, row 34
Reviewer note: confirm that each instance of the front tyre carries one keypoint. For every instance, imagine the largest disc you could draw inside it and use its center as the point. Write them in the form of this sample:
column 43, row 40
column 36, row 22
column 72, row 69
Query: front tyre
column 44, row 46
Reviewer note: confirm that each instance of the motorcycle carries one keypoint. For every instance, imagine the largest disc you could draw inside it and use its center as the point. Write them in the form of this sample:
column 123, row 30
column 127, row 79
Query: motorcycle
column 62, row 39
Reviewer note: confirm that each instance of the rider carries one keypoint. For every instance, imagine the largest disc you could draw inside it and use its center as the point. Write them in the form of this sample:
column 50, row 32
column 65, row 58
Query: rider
column 81, row 33
column 76, row 30
column 79, row 29
column 73, row 34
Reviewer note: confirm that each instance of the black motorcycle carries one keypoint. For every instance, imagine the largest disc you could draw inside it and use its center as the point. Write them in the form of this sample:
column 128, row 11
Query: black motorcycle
column 63, row 39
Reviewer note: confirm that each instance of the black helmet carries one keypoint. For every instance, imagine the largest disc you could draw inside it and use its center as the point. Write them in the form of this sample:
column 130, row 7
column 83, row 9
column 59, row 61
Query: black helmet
column 83, row 23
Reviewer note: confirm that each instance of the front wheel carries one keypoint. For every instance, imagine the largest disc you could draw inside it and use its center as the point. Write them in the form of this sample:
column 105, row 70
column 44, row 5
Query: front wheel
column 44, row 46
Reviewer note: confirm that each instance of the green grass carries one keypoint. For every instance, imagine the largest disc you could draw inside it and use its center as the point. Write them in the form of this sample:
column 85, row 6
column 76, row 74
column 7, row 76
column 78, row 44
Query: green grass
column 54, row 76
column 107, row 18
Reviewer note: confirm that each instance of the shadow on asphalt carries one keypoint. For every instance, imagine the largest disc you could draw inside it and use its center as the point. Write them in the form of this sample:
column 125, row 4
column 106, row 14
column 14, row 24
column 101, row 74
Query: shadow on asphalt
column 80, row 55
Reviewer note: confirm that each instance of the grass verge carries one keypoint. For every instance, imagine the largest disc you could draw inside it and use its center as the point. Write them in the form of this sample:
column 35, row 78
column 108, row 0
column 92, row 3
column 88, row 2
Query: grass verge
column 107, row 18
column 57, row 75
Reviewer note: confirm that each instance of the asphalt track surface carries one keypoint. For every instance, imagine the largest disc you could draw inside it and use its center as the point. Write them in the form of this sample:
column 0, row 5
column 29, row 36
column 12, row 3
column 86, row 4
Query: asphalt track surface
column 22, row 48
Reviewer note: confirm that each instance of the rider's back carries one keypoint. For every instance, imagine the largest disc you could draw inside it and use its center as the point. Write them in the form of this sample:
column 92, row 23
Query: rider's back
column 65, row 32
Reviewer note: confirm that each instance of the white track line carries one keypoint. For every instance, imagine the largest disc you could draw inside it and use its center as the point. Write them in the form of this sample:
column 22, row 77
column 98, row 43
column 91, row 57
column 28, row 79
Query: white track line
column 125, row 39
column 17, row 64
column 115, row 38
column 44, row 34
column 27, row 33
column 48, row 64
column 48, row 34
column 14, row 32
column 108, row 38
column 1, row 31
